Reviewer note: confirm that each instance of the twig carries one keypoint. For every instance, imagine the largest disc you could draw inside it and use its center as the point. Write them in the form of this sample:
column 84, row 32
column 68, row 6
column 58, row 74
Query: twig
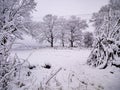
column 53, row 75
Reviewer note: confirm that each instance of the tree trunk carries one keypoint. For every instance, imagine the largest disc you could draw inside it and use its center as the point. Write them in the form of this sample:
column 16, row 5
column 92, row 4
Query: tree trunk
column 52, row 38
column 52, row 43
column 72, row 39
column 71, row 43
column 63, row 44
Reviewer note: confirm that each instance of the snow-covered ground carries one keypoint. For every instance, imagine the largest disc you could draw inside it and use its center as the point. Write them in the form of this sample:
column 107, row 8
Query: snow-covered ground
column 56, row 57
column 73, row 73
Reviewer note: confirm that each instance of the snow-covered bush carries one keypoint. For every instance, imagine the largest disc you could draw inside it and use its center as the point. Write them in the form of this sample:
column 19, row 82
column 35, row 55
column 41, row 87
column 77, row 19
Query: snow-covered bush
column 106, row 49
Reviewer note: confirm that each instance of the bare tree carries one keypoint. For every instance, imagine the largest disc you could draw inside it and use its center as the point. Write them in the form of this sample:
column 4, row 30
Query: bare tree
column 49, row 25
column 62, row 30
column 75, row 26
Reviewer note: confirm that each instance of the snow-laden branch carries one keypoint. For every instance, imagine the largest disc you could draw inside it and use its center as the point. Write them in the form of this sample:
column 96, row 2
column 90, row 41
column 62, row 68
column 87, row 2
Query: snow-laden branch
column 11, row 71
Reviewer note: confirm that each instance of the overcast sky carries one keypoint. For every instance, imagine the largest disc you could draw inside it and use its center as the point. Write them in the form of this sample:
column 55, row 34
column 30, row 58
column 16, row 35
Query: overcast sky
column 67, row 7
column 82, row 8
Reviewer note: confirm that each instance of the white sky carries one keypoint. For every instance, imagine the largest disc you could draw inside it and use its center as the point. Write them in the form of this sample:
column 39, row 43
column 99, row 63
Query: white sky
column 66, row 7
column 83, row 8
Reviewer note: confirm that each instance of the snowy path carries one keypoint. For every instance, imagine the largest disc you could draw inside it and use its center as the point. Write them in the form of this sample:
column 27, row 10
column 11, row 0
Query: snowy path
column 73, row 68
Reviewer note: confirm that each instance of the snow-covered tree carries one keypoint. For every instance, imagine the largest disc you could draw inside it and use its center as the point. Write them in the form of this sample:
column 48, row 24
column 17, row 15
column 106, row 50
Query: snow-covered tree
column 49, row 28
column 12, row 16
column 62, row 32
column 35, row 29
column 75, row 25
column 107, row 46
column 88, row 39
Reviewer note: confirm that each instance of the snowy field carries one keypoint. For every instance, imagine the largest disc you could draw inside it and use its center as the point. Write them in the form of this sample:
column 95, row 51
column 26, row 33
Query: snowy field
column 55, row 57
column 71, row 70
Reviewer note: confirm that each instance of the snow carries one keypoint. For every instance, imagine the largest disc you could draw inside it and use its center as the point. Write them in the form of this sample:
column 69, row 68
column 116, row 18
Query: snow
column 60, row 58
column 74, row 74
